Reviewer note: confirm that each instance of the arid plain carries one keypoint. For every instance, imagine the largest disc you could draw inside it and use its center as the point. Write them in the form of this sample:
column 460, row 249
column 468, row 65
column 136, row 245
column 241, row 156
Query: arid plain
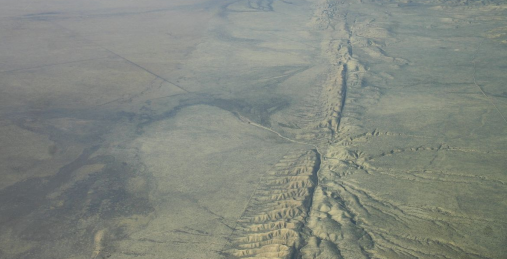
column 253, row 128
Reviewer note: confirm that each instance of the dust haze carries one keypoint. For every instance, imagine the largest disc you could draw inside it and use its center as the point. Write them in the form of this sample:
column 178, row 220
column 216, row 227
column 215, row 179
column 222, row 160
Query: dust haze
column 253, row 129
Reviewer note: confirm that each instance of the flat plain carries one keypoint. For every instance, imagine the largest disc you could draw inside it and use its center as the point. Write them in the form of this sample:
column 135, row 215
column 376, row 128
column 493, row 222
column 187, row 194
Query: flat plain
column 253, row 129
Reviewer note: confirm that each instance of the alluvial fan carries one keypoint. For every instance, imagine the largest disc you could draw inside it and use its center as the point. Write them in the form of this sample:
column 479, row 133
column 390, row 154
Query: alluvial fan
column 273, row 221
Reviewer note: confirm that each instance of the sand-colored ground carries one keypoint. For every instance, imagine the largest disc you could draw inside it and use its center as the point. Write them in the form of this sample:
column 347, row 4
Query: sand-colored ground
column 253, row 129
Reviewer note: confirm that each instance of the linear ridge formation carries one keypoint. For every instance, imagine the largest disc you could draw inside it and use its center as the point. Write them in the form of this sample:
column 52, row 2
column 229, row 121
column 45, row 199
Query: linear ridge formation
column 316, row 204
column 273, row 221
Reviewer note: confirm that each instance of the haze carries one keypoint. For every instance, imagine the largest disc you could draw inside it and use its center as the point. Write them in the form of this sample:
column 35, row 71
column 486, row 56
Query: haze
column 253, row 128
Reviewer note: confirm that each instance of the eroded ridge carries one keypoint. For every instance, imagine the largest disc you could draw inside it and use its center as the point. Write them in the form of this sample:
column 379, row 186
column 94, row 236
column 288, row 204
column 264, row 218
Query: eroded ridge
column 345, row 71
column 272, row 224
column 363, row 206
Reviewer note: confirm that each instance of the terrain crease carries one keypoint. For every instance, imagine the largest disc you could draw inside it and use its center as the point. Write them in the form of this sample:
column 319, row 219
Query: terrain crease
column 339, row 220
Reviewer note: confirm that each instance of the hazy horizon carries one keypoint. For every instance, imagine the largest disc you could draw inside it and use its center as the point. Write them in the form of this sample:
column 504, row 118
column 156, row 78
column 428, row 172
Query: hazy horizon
column 253, row 129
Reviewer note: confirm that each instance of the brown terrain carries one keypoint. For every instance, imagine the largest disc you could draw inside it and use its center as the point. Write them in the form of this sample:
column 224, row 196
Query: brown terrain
column 253, row 129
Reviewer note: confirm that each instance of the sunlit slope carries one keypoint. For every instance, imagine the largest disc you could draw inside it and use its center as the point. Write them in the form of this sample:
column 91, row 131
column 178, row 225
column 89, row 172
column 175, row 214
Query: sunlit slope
column 411, row 119
column 253, row 129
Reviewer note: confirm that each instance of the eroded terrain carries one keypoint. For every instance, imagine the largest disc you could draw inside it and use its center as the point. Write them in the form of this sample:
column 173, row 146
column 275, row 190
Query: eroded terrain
column 264, row 129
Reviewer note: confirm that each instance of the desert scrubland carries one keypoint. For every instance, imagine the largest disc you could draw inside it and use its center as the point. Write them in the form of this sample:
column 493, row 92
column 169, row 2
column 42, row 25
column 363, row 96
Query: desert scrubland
column 253, row 129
